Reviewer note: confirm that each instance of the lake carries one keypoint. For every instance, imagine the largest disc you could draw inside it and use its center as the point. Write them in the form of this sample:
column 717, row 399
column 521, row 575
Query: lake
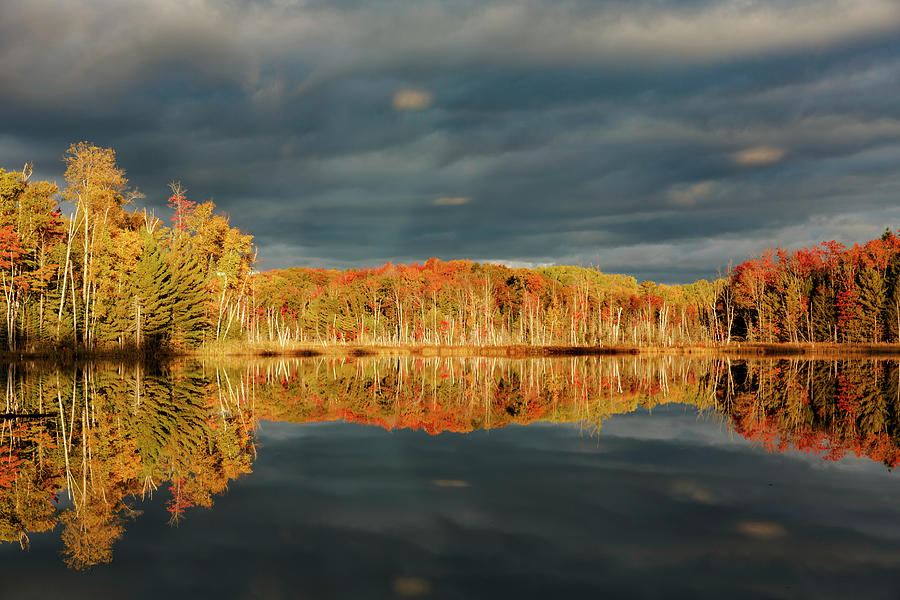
column 656, row 477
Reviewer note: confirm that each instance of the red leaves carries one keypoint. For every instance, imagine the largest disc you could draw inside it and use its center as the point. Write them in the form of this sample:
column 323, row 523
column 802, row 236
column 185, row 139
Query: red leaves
column 847, row 400
column 9, row 469
column 832, row 252
column 10, row 247
column 348, row 277
column 535, row 283
column 761, row 272
column 847, row 304
column 181, row 498
column 755, row 274
column 183, row 209
column 808, row 261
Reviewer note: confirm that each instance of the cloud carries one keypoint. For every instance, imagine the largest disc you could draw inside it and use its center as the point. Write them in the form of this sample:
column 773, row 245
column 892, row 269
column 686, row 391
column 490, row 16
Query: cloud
column 451, row 201
column 588, row 143
column 412, row 100
column 515, row 264
column 758, row 156
column 638, row 33
column 451, row 483
column 408, row 586
column 761, row 530
column 687, row 195
column 694, row 491
column 57, row 51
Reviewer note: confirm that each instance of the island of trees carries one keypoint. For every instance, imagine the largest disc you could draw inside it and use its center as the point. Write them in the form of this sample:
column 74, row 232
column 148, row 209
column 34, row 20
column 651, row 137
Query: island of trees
column 109, row 277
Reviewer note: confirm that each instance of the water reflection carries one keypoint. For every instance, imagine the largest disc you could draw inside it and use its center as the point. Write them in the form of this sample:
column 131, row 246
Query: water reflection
column 79, row 448
column 82, row 448
column 831, row 408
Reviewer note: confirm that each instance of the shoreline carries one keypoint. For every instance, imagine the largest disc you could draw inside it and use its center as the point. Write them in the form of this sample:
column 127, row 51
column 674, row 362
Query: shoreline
column 737, row 350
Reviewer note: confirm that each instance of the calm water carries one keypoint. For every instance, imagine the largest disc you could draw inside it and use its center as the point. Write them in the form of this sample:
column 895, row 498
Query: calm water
column 358, row 478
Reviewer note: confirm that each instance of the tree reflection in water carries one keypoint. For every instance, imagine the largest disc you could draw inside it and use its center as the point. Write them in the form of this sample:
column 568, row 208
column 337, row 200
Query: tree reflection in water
column 98, row 438
column 82, row 447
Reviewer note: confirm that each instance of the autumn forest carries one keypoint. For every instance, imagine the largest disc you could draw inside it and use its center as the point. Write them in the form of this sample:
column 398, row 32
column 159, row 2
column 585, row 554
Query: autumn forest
column 104, row 275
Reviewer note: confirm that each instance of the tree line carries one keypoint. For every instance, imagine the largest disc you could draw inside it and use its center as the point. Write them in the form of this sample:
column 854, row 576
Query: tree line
column 461, row 302
column 826, row 293
column 108, row 276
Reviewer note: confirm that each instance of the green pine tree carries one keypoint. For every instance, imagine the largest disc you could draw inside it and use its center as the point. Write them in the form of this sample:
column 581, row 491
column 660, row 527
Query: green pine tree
column 153, row 292
column 188, row 311
column 115, row 315
column 870, row 289
column 891, row 312
column 822, row 308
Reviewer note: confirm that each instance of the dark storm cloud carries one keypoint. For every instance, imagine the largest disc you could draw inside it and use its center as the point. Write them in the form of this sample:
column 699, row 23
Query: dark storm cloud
column 658, row 137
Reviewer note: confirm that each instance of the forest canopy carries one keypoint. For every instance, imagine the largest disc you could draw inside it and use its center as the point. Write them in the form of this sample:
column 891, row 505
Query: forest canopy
column 109, row 276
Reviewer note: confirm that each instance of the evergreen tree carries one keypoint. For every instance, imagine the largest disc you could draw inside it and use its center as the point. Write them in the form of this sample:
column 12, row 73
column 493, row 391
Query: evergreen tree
column 824, row 316
column 188, row 311
column 891, row 313
column 870, row 291
column 153, row 292
column 115, row 315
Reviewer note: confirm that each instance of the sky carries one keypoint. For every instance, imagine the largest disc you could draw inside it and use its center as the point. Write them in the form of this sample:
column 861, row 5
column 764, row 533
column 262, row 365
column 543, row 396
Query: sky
column 659, row 138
